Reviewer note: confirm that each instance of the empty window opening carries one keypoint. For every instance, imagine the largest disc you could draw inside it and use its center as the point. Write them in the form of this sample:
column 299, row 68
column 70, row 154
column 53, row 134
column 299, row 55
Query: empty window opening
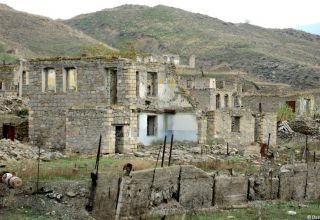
column 113, row 85
column 218, row 104
column 137, row 84
column 8, row 131
column 1, row 86
column 151, row 125
column 226, row 101
column 189, row 84
column 236, row 100
column 138, row 125
column 71, row 79
column 235, row 124
column 152, row 84
column 307, row 105
column 49, row 80
column 25, row 78
column 119, row 139
column 292, row 105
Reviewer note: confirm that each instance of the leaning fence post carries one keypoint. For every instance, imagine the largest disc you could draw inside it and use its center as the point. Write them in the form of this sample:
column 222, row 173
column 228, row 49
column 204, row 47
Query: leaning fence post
column 169, row 163
column 227, row 149
column 268, row 142
column 164, row 150
column 306, row 149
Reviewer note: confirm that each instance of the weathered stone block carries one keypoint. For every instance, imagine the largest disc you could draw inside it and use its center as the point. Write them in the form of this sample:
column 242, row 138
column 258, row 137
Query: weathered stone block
column 264, row 188
column 196, row 188
column 230, row 190
column 106, row 197
column 313, row 182
column 293, row 180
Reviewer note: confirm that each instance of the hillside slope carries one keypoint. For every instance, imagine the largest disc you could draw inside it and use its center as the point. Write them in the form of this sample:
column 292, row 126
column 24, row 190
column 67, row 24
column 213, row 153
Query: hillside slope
column 23, row 34
column 286, row 55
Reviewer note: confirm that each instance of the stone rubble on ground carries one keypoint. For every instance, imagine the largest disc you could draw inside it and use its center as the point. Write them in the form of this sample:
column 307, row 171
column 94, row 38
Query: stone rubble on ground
column 11, row 104
column 16, row 151
column 284, row 130
column 186, row 153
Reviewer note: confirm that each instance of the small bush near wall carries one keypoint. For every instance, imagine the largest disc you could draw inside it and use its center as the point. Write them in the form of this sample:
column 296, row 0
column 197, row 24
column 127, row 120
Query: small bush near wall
column 22, row 112
column 285, row 113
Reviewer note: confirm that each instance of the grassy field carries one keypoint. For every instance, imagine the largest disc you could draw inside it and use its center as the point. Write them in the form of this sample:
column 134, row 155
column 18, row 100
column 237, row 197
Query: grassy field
column 72, row 167
column 277, row 211
column 266, row 211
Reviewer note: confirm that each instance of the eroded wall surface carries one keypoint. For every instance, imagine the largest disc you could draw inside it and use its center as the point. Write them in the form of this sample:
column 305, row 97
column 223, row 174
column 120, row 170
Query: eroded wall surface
column 174, row 189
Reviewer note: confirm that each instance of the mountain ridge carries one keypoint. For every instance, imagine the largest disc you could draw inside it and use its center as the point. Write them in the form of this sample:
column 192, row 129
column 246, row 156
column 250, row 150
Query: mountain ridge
column 277, row 55
column 28, row 35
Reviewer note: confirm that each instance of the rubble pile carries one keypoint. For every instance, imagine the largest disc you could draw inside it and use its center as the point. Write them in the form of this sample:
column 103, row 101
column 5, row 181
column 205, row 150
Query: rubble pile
column 187, row 153
column 14, row 151
column 12, row 104
column 308, row 127
column 284, row 130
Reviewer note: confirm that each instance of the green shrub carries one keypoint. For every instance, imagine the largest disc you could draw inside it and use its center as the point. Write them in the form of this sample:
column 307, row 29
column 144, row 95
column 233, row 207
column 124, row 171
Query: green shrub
column 285, row 113
column 22, row 112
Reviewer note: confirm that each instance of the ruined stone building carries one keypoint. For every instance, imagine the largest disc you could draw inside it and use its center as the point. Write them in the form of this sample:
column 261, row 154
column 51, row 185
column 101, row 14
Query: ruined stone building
column 12, row 76
column 74, row 100
column 304, row 104
column 224, row 116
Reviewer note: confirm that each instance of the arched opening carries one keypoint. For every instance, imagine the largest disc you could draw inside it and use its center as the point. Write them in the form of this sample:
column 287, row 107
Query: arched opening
column 218, row 104
column 226, row 100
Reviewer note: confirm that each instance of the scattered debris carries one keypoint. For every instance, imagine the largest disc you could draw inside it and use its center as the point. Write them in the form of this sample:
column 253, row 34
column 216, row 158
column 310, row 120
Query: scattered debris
column 71, row 194
column 284, row 130
column 15, row 151
column 12, row 104
column 10, row 179
column 290, row 212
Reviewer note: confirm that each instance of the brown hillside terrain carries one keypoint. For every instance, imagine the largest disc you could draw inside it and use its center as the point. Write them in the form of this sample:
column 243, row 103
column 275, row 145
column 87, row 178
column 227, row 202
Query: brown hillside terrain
column 278, row 55
column 32, row 35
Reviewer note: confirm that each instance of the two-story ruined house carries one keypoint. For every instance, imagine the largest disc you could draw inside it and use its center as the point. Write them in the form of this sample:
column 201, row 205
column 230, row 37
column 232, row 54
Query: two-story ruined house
column 74, row 100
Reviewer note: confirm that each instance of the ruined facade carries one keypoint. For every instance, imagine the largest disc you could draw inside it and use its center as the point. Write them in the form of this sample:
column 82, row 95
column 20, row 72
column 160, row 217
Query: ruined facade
column 8, row 84
column 126, row 103
column 225, row 117
column 131, row 103
column 303, row 104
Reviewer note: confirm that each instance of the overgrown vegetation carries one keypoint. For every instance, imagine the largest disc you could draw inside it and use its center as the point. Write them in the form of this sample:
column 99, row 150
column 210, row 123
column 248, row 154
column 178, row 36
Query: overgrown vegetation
column 73, row 167
column 22, row 112
column 269, row 211
column 101, row 50
column 23, row 214
column 285, row 113
column 238, row 164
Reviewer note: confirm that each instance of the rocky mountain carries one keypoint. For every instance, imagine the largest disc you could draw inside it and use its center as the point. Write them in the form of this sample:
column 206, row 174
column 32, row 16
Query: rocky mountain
column 27, row 35
column 278, row 55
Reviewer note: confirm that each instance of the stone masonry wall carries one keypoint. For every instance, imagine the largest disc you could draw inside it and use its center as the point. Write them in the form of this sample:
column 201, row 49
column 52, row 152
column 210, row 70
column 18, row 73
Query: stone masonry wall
column 7, row 74
column 49, row 110
column 220, row 123
column 83, row 129
column 177, row 189
column 272, row 103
